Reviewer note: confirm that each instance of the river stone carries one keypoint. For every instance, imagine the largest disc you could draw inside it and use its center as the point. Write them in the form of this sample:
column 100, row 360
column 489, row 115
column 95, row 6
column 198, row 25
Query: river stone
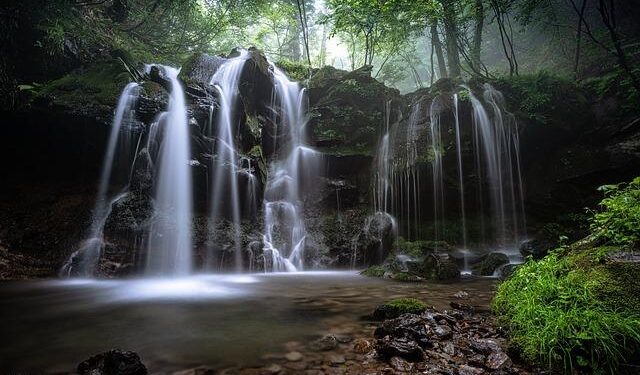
column 113, row 362
column 362, row 346
column 337, row 359
column 468, row 370
column 293, row 356
column 400, row 364
column 498, row 360
column 491, row 263
column 389, row 347
column 327, row 342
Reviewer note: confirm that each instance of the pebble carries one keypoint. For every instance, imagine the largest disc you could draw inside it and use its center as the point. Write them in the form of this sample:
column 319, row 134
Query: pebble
column 293, row 356
column 337, row 359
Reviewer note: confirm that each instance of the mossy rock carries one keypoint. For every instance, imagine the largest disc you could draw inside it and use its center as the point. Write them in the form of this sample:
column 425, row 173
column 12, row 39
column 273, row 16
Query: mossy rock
column 374, row 271
column 397, row 307
column 93, row 91
column 348, row 110
column 490, row 264
column 438, row 267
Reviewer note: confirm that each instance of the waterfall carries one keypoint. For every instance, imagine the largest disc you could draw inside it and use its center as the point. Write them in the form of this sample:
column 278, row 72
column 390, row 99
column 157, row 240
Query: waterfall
column 170, row 247
column 460, row 172
column 295, row 171
column 91, row 248
column 436, row 168
column 225, row 195
column 497, row 150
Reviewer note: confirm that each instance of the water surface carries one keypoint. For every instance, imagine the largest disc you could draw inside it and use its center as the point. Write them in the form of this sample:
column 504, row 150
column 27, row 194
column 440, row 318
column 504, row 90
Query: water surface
column 221, row 320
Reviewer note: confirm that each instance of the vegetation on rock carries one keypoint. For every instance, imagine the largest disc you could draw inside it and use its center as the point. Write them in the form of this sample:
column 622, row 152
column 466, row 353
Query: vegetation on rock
column 578, row 308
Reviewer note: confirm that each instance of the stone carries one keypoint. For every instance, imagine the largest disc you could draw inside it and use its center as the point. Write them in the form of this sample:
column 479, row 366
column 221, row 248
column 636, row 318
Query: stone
column 337, row 359
column 296, row 366
column 443, row 332
column 325, row 343
column 484, row 346
column 202, row 370
column 113, row 362
column 362, row 346
column 461, row 295
column 468, row 370
column 535, row 248
column 273, row 369
column 498, row 360
column 400, row 364
column 293, row 356
column 491, row 263
column 389, row 347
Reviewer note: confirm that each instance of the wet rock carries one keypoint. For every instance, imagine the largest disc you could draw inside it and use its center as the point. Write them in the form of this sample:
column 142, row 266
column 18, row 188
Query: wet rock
column 400, row 364
column 443, row 332
column 490, row 264
column 439, row 267
column 293, row 356
column 461, row 306
column 327, row 342
column 202, row 370
column 397, row 307
column 468, row 370
column 337, row 359
column 374, row 242
column 113, row 362
column 498, row 360
column 536, row 248
column 461, row 295
column 484, row 346
column 362, row 346
column 408, row 349
column 273, row 369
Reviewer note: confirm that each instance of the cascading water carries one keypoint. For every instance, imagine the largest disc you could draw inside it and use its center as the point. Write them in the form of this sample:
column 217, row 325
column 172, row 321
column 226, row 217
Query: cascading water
column 497, row 148
column 83, row 261
column 170, row 246
column 436, row 168
column 295, row 171
column 225, row 195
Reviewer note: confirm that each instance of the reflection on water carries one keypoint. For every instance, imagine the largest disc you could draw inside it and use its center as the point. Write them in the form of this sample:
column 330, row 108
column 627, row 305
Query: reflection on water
column 213, row 320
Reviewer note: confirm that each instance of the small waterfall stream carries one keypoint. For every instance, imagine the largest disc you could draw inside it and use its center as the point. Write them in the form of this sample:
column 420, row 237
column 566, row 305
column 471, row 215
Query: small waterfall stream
column 225, row 195
column 170, row 241
column 83, row 261
column 295, row 171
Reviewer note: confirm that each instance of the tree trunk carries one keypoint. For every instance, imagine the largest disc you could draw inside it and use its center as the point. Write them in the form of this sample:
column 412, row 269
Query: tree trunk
column 477, row 35
column 437, row 46
column 607, row 13
column 451, row 34
column 576, row 64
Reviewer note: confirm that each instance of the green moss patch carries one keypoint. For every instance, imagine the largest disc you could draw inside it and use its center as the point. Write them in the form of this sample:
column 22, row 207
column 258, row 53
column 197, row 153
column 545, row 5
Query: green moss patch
column 397, row 307
column 100, row 84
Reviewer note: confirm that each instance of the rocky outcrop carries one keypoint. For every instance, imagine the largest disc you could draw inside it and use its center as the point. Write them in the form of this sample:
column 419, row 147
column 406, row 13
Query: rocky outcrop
column 113, row 362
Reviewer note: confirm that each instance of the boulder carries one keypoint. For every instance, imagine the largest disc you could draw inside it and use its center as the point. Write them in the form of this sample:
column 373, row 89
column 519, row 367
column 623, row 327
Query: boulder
column 535, row 248
column 491, row 263
column 113, row 362
column 373, row 244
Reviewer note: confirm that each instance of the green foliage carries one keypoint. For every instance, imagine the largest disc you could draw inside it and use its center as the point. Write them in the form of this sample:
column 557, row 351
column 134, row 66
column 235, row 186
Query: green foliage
column 296, row 70
column 541, row 97
column 556, row 317
column 619, row 222
column 405, row 305
column 101, row 84
column 373, row 271
column 615, row 84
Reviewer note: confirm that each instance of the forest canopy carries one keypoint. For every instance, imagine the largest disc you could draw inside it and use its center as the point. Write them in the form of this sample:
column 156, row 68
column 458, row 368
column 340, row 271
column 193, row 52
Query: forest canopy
column 410, row 44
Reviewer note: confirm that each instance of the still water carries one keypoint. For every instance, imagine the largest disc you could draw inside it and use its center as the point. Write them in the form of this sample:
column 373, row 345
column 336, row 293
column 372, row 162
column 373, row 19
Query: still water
column 222, row 320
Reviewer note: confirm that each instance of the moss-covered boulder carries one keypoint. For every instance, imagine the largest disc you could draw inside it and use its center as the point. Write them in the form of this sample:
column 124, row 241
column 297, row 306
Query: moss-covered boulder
column 348, row 110
column 490, row 264
column 397, row 307
column 90, row 92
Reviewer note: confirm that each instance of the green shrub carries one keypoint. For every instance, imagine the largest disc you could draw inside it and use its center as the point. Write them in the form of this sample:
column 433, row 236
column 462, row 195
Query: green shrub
column 619, row 222
column 296, row 70
column 373, row 271
column 557, row 318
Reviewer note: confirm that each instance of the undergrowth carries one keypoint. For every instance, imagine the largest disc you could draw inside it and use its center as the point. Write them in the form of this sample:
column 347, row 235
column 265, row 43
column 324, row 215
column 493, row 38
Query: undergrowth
column 576, row 309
